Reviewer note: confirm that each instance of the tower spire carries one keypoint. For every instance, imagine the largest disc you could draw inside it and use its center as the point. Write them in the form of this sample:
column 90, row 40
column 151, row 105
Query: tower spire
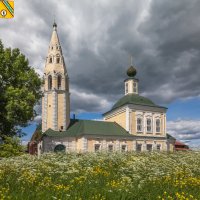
column 131, row 60
column 56, row 101
column 54, row 23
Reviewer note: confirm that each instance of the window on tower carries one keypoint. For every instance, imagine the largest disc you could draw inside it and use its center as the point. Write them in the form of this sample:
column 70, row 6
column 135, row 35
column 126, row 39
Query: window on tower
column 50, row 60
column 134, row 87
column 126, row 88
column 49, row 82
column 57, row 60
column 59, row 82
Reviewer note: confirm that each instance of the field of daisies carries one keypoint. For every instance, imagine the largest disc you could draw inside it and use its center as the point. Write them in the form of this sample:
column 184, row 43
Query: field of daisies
column 103, row 176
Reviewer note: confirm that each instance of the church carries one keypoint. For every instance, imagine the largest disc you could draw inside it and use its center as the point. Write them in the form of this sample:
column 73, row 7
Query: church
column 134, row 123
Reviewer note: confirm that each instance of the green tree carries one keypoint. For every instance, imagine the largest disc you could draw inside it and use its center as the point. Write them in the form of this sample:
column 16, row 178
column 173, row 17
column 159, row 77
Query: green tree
column 19, row 91
column 11, row 147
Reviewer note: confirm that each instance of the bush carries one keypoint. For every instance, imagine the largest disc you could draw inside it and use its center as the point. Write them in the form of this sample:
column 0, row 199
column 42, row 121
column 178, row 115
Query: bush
column 11, row 147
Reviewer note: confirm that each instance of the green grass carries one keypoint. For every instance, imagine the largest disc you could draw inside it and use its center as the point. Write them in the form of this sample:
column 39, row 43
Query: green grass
column 101, row 176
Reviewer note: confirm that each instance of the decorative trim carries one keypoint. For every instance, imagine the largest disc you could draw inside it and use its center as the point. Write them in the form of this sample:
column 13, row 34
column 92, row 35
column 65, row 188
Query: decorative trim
column 116, row 112
column 127, row 119
column 64, row 112
column 55, row 111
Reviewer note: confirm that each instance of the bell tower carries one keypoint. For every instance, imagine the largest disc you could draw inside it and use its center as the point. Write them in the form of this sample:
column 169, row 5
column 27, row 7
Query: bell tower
column 131, row 83
column 55, row 100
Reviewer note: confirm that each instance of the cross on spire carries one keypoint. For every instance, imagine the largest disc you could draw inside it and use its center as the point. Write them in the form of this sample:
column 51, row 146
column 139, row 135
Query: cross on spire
column 131, row 60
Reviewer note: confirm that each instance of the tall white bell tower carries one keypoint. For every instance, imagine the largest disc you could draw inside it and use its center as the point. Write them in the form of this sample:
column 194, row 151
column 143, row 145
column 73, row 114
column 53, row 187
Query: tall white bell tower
column 56, row 97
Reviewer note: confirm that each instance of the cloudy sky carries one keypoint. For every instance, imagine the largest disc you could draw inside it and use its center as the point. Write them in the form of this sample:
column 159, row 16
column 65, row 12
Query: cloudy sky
column 97, row 39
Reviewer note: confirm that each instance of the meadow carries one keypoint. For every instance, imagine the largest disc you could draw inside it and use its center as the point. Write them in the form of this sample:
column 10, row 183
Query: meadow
column 95, row 176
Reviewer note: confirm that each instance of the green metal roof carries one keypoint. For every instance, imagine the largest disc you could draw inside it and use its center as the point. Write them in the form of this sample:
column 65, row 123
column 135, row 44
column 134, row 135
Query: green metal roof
column 89, row 127
column 134, row 99
column 170, row 137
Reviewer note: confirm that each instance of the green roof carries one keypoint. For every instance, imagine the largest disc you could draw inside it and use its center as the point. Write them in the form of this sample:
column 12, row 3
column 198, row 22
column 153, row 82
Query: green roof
column 134, row 99
column 89, row 127
column 170, row 137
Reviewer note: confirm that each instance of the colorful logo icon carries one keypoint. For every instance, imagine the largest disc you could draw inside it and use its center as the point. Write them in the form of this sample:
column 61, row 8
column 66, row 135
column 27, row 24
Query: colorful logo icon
column 6, row 9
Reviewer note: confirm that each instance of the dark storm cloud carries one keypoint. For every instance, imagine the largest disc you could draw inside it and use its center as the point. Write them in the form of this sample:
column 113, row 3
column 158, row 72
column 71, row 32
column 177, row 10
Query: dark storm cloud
column 97, row 38
column 174, row 28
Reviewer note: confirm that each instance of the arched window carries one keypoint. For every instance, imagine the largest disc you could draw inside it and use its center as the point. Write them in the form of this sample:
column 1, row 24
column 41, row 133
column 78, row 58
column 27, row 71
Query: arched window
column 139, row 124
column 126, row 88
column 148, row 125
column 59, row 82
column 157, row 125
column 134, row 87
column 59, row 148
column 49, row 82
column 57, row 60
column 50, row 60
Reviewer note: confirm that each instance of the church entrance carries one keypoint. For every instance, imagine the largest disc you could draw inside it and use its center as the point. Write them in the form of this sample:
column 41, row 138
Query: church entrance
column 59, row 148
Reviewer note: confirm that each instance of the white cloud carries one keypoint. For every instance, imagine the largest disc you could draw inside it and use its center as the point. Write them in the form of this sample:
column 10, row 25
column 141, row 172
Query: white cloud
column 92, row 102
column 38, row 119
column 97, row 38
column 184, row 129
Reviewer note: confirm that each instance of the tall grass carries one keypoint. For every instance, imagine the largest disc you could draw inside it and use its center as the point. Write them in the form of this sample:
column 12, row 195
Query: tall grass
column 101, row 176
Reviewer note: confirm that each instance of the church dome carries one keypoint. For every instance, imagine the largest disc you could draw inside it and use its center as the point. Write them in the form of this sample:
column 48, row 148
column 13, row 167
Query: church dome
column 131, row 72
column 133, row 99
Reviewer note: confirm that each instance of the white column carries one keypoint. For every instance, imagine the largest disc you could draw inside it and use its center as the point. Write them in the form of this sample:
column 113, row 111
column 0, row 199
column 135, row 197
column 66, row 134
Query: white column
column 64, row 112
column 136, row 87
column 44, row 117
column 165, row 128
column 127, row 119
column 153, row 124
column 154, row 145
column 131, row 86
column 67, row 146
column 144, row 146
column 144, row 123
column 104, row 145
column 134, row 145
column 55, row 111
column 117, row 145
column 84, row 144
column 130, row 122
